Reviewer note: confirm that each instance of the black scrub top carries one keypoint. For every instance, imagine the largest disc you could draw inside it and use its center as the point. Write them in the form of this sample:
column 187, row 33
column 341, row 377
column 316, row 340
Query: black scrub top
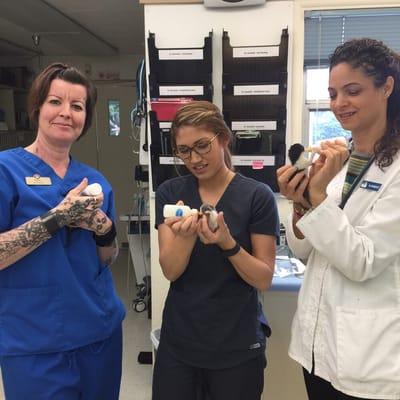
column 212, row 318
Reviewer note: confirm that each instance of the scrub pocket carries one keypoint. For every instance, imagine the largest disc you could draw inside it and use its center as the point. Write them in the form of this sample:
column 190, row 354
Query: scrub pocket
column 30, row 320
column 368, row 345
column 105, row 288
column 212, row 324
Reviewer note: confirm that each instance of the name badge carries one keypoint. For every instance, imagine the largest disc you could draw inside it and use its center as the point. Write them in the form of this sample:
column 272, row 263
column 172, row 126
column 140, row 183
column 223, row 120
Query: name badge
column 37, row 180
column 374, row 186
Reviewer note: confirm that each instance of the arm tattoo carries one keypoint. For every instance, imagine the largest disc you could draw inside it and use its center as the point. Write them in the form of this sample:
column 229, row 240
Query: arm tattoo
column 76, row 210
column 19, row 242
column 96, row 222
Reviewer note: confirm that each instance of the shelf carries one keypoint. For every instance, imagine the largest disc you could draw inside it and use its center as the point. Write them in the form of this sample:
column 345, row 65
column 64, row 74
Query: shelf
column 16, row 138
column 129, row 218
column 14, row 88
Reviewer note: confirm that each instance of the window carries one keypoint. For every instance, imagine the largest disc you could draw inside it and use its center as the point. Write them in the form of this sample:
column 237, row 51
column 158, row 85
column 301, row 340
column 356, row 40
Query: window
column 321, row 123
column 113, row 118
column 324, row 30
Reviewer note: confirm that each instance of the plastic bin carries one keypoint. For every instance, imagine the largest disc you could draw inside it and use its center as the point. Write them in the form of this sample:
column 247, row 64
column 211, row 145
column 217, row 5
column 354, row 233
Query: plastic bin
column 167, row 108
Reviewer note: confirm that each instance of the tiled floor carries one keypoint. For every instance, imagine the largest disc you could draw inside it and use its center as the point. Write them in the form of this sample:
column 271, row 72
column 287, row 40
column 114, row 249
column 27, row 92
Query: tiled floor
column 136, row 378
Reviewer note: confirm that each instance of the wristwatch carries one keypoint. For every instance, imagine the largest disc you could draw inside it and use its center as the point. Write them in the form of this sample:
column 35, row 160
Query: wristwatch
column 50, row 222
column 231, row 252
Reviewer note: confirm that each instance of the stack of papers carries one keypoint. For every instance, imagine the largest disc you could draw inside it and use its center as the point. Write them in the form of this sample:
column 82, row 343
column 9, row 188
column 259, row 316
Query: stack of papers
column 288, row 266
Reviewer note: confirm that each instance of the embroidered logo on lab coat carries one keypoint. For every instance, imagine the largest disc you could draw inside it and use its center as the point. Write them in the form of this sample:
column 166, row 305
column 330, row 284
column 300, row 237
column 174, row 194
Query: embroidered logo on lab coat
column 374, row 186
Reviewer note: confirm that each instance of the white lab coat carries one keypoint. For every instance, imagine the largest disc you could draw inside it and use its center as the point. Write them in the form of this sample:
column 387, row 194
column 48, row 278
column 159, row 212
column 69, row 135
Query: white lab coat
column 349, row 304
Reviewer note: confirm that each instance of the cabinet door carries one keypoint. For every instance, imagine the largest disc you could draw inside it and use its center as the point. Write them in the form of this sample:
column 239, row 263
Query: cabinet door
column 8, row 107
column 113, row 156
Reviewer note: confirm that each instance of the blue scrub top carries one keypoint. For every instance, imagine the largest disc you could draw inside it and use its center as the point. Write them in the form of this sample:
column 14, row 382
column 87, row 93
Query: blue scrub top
column 58, row 297
column 212, row 318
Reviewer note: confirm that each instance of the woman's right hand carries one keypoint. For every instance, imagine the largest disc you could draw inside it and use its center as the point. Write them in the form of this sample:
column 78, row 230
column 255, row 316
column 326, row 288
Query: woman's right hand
column 292, row 184
column 183, row 226
column 333, row 155
column 75, row 207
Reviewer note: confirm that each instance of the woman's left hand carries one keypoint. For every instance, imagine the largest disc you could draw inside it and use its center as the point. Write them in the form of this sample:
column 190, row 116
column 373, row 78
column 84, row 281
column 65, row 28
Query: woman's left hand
column 95, row 221
column 222, row 236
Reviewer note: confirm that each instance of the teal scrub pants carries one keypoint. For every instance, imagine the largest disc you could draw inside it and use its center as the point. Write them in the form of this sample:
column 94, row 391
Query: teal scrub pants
column 92, row 372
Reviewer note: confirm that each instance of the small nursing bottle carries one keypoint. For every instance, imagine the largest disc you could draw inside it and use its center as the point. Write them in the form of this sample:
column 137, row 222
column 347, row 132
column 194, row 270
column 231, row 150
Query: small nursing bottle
column 176, row 210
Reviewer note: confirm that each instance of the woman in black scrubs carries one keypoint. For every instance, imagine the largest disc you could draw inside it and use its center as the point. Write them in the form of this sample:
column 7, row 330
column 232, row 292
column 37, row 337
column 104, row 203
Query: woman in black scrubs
column 214, row 331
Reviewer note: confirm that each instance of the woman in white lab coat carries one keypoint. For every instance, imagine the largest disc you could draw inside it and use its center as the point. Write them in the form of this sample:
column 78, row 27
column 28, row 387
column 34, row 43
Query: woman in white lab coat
column 346, row 331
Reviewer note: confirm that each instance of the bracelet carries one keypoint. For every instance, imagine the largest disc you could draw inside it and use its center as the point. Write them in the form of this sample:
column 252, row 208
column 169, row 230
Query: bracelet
column 107, row 239
column 299, row 210
column 231, row 252
column 50, row 222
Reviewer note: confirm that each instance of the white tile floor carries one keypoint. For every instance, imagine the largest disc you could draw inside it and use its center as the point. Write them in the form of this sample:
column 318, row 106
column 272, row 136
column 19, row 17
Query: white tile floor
column 136, row 378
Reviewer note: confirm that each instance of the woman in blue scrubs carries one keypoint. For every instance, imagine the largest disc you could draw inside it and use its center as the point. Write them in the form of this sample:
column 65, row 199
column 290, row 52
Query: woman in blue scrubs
column 214, row 331
column 60, row 317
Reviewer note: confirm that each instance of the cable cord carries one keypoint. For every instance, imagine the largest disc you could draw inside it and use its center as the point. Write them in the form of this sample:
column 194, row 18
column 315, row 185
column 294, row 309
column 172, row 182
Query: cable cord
column 140, row 303
column 138, row 113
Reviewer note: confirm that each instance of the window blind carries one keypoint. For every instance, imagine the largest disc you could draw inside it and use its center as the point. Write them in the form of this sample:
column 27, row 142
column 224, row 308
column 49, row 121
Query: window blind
column 325, row 30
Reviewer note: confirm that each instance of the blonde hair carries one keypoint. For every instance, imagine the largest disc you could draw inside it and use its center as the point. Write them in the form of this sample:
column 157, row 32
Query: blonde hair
column 206, row 115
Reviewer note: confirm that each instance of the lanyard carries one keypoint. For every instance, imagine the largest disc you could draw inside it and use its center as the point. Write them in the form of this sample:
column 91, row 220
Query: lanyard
column 356, row 182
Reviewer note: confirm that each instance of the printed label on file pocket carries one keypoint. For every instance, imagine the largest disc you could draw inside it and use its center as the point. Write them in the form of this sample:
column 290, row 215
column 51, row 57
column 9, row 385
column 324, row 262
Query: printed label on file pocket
column 374, row 186
column 254, row 125
column 168, row 160
column 253, row 161
column 181, row 54
column 181, row 90
column 255, row 90
column 165, row 125
column 259, row 51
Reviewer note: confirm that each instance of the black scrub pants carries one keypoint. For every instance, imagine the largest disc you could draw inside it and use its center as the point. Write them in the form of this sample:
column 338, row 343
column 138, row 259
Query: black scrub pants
column 320, row 389
column 173, row 379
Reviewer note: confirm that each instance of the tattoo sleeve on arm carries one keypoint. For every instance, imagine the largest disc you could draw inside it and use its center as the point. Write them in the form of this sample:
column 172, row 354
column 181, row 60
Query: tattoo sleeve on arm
column 19, row 242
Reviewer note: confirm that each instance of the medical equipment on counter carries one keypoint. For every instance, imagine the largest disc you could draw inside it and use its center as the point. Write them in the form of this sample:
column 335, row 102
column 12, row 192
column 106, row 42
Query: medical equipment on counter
column 138, row 115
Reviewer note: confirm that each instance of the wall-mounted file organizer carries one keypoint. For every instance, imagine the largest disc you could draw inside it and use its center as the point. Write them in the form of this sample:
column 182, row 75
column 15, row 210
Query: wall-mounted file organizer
column 180, row 73
column 254, row 106
column 164, row 165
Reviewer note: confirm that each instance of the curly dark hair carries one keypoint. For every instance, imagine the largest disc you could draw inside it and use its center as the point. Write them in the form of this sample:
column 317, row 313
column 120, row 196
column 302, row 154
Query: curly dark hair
column 41, row 85
column 379, row 62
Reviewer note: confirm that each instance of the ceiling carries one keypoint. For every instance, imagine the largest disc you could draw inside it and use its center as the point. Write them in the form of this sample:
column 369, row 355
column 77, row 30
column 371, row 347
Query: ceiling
column 72, row 27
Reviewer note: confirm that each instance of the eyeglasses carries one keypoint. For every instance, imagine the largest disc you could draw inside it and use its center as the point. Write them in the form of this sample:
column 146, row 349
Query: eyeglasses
column 201, row 147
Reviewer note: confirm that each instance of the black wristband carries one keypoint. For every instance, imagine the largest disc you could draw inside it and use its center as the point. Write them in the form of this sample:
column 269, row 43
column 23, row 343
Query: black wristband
column 106, row 239
column 50, row 222
column 231, row 252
